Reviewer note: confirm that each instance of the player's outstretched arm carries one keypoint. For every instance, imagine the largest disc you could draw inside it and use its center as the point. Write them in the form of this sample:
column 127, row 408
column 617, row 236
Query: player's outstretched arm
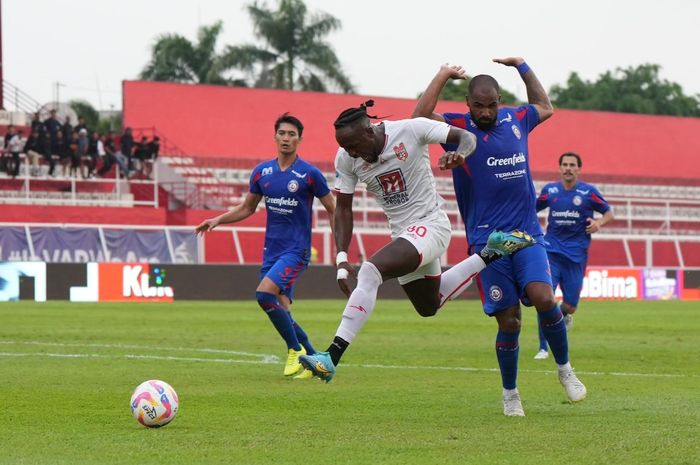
column 466, row 145
column 426, row 103
column 343, row 236
column 536, row 95
column 238, row 213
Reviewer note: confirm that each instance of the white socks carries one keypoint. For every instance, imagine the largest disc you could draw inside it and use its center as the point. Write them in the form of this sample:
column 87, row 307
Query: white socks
column 455, row 280
column 361, row 302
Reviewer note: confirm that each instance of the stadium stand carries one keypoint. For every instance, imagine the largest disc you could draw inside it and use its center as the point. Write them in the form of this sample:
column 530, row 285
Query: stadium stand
column 211, row 138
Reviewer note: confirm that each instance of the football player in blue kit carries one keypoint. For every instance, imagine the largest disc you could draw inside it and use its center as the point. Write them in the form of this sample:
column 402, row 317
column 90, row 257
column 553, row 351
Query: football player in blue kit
column 494, row 190
column 570, row 224
column 289, row 185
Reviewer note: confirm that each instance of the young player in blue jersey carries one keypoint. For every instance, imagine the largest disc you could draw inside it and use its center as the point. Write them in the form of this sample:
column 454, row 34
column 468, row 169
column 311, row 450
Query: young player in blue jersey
column 570, row 224
column 494, row 190
column 392, row 159
column 289, row 185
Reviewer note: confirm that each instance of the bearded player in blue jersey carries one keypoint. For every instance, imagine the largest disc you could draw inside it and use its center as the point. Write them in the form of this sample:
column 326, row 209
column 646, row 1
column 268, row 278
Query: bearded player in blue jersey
column 570, row 224
column 494, row 190
column 289, row 185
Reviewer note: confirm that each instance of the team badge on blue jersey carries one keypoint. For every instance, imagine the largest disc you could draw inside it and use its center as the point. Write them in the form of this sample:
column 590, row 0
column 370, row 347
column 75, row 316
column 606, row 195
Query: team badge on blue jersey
column 293, row 186
column 577, row 200
column 516, row 131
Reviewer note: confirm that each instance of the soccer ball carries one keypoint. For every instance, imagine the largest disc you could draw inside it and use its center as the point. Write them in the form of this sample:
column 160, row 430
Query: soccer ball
column 154, row 403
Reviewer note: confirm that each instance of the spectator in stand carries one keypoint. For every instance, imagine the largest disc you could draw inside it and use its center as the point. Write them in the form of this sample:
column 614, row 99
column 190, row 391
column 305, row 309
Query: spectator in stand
column 153, row 152
column 102, row 155
column 64, row 156
column 45, row 150
column 37, row 125
column 67, row 129
column 93, row 140
column 57, row 145
column 71, row 154
column 119, row 156
column 5, row 152
column 81, row 125
column 109, row 158
column 33, row 151
column 52, row 125
column 83, row 155
column 127, row 147
column 13, row 147
column 141, row 153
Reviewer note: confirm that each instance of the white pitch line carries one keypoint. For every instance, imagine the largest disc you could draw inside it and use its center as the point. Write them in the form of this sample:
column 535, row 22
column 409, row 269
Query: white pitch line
column 271, row 359
column 132, row 356
column 267, row 358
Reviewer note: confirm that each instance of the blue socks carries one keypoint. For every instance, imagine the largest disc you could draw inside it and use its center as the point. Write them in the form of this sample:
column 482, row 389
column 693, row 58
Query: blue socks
column 507, row 349
column 303, row 338
column 554, row 329
column 543, row 340
column 280, row 318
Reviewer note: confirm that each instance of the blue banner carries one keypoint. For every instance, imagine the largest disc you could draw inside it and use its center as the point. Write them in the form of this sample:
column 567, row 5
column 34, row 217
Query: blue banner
column 13, row 245
column 128, row 245
column 67, row 245
column 184, row 247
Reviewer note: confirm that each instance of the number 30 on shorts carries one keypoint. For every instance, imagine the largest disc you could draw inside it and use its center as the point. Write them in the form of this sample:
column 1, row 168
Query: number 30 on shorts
column 419, row 231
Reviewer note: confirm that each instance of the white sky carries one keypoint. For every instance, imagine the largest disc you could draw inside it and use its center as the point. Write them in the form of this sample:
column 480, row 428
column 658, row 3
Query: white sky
column 388, row 48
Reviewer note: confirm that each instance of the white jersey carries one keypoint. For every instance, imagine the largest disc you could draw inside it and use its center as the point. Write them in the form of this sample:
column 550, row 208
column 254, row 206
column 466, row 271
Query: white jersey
column 401, row 179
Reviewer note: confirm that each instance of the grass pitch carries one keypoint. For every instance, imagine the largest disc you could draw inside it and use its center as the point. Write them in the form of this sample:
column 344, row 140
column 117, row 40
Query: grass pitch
column 409, row 391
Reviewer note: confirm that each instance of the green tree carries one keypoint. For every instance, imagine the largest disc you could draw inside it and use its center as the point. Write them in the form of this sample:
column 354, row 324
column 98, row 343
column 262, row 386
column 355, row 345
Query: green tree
column 293, row 54
column 174, row 58
column 87, row 111
column 630, row 90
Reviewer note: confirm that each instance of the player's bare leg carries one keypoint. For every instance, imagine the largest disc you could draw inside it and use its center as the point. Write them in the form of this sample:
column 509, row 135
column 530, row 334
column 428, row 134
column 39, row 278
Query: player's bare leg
column 397, row 258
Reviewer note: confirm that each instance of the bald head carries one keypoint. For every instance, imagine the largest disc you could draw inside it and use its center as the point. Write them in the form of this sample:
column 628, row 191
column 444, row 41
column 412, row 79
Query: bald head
column 483, row 100
column 483, row 82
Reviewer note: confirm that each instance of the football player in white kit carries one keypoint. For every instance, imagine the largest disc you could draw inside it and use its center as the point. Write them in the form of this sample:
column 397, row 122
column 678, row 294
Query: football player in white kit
column 392, row 159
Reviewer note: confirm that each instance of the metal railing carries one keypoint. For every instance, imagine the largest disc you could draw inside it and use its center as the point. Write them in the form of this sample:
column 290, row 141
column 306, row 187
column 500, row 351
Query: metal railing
column 74, row 191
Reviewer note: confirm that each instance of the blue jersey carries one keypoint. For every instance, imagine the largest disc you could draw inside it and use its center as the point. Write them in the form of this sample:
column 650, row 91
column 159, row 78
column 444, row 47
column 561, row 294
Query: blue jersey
column 289, row 196
column 569, row 211
column 494, row 187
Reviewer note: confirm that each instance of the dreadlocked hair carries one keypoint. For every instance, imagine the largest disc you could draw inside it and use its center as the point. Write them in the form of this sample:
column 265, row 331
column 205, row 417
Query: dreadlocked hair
column 351, row 115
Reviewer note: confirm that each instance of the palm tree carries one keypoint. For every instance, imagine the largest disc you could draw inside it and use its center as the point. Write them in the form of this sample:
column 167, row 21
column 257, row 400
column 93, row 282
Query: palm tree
column 294, row 54
column 175, row 59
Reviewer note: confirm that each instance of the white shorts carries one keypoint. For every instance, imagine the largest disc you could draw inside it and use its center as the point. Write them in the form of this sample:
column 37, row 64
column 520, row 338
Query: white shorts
column 431, row 237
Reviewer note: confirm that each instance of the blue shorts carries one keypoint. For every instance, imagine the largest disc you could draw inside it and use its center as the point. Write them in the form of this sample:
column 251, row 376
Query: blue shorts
column 284, row 271
column 568, row 275
column 502, row 283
